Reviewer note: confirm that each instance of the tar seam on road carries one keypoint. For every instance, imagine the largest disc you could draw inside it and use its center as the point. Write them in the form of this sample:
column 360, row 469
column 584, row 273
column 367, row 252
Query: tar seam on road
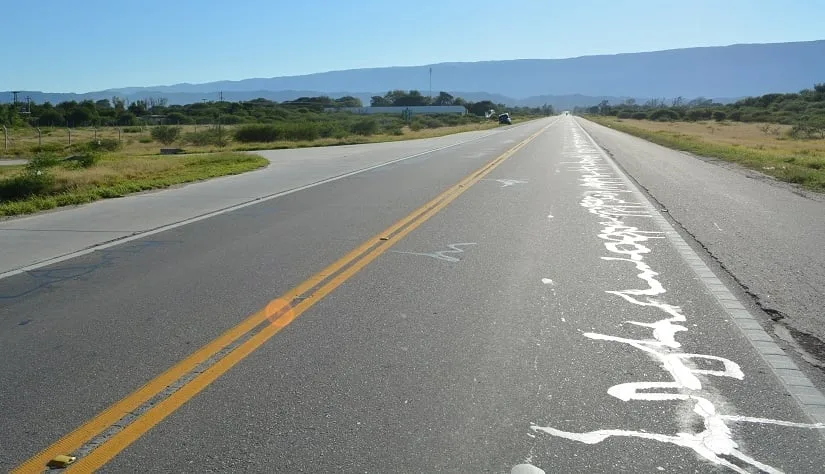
column 811, row 401
column 163, row 228
column 102, row 438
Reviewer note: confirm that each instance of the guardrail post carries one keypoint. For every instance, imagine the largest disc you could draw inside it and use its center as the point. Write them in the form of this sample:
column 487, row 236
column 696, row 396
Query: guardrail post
column 5, row 139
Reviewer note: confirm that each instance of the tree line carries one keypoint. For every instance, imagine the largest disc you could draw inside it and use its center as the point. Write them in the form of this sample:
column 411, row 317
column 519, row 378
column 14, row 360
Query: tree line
column 805, row 110
column 118, row 111
column 412, row 98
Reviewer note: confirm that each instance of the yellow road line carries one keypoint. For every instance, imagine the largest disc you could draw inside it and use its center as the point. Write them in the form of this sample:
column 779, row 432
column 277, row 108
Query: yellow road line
column 277, row 311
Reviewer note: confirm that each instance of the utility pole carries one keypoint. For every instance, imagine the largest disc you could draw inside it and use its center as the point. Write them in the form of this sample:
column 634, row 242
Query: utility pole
column 431, row 84
column 221, row 96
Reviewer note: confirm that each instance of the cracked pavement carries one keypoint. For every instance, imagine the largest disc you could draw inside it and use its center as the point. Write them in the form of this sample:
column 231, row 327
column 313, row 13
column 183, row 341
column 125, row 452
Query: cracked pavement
column 766, row 235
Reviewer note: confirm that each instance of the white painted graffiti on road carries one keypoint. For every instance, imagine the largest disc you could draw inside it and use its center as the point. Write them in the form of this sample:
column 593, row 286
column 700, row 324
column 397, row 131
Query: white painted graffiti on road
column 605, row 198
column 443, row 254
column 507, row 182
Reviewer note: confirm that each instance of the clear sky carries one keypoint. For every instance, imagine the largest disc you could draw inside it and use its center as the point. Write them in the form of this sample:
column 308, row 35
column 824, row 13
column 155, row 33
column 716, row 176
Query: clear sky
column 88, row 45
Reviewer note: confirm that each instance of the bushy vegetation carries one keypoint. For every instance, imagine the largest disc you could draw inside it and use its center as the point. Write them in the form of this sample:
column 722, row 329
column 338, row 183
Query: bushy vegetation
column 165, row 134
column 291, row 131
column 365, row 126
column 804, row 110
column 133, row 116
column 212, row 136
column 87, row 162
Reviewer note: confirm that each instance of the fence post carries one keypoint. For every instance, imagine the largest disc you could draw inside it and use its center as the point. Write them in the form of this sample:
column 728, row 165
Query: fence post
column 5, row 139
column 70, row 135
column 118, row 134
column 39, row 137
column 95, row 138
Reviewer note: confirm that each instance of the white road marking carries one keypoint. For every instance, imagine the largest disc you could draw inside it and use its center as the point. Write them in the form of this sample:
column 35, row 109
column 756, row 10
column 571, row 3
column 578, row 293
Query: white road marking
column 547, row 281
column 526, row 468
column 442, row 255
column 507, row 182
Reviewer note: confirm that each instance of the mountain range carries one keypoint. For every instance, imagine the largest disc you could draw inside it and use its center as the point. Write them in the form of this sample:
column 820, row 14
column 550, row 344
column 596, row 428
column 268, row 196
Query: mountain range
column 723, row 73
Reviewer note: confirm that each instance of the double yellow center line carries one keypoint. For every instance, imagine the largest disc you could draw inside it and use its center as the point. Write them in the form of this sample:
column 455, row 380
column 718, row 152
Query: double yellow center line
column 257, row 329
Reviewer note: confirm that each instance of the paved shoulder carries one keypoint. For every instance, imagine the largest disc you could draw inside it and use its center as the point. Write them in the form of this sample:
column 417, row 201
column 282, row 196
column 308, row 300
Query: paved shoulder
column 768, row 237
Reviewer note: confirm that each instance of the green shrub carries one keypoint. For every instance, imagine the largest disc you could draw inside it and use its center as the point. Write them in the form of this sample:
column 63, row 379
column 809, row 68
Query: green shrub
column 430, row 121
column 43, row 161
column 145, row 140
column 299, row 131
column 84, row 160
column 664, row 115
column 638, row 115
column 165, row 134
column 99, row 145
column 365, row 126
column 329, row 129
column 625, row 114
column 207, row 137
column 694, row 115
column 256, row 133
column 48, row 148
column 29, row 183
column 231, row 119
column 719, row 116
column 131, row 129
column 293, row 131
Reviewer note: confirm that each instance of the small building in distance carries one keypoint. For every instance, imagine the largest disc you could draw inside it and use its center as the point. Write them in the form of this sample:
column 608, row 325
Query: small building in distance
column 401, row 110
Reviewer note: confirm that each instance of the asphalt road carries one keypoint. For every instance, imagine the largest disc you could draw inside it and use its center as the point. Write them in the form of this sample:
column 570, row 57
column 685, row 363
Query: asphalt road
column 536, row 311
column 51, row 236
column 768, row 235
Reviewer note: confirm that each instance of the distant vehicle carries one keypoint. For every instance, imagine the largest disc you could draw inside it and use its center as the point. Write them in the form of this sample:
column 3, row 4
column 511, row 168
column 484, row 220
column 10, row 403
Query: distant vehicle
column 505, row 119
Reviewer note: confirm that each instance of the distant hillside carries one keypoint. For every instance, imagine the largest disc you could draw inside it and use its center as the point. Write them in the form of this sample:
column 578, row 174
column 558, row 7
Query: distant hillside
column 725, row 71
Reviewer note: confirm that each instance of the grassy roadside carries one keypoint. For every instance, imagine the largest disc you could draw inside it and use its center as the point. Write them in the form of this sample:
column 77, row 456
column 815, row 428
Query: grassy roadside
column 795, row 161
column 359, row 139
column 137, row 141
column 131, row 165
column 112, row 176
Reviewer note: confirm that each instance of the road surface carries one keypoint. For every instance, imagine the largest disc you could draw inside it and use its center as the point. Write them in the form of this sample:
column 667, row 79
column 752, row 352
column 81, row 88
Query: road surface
column 512, row 302
column 765, row 233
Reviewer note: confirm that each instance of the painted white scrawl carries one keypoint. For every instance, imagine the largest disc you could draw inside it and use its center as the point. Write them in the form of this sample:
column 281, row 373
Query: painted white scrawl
column 604, row 199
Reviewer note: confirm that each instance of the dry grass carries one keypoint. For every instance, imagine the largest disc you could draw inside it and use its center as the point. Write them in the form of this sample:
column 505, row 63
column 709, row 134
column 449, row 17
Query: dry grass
column 749, row 135
column 117, row 176
column 9, row 170
column 762, row 147
column 140, row 143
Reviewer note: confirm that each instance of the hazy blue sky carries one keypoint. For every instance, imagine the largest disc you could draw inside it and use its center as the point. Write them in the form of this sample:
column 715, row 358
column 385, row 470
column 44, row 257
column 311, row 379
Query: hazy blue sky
column 86, row 45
